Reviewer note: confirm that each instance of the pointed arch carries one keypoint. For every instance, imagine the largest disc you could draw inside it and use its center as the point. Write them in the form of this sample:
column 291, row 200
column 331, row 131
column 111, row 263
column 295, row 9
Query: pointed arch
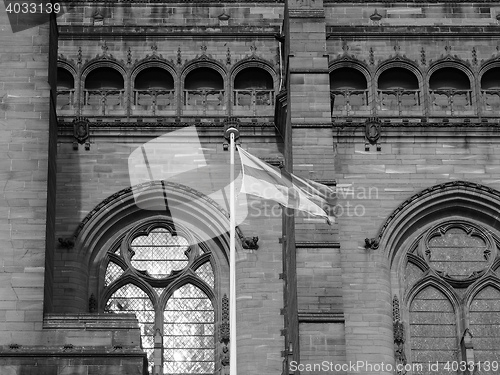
column 351, row 62
column 68, row 65
column 253, row 62
column 153, row 61
column 103, row 62
column 457, row 198
column 203, row 61
column 433, row 326
column 127, row 279
column 490, row 280
column 402, row 63
column 431, row 280
column 188, row 279
column 451, row 62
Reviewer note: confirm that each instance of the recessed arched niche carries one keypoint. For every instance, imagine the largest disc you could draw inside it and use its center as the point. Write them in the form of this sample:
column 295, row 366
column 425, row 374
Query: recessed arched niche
column 104, row 91
column 203, row 91
column 154, row 91
column 398, row 91
column 348, row 91
column 490, row 89
column 450, row 91
column 65, row 89
column 253, row 90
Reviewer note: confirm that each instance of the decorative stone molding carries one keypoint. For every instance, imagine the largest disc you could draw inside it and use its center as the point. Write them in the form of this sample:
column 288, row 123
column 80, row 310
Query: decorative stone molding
column 390, row 2
column 125, row 197
column 433, row 191
column 224, row 326
column 92, row 304
column 224, row 335
column 423, row 59
column 399, row 336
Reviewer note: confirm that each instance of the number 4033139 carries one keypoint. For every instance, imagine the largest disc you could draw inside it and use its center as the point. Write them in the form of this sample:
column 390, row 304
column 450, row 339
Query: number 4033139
column 32, row 7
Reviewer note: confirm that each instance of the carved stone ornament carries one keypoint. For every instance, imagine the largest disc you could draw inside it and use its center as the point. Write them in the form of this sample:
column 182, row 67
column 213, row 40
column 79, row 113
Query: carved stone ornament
column 224, row 19
column 372, row 132
column 376, row 16
column 223, row 16
column 224, row 336
column 98, row 18
column 92, row 303
column 371, row 244
column 399, row 336
column 224, row 325
column 250, row 243
column 81, row 132
column 224, row 357
column 66, row 243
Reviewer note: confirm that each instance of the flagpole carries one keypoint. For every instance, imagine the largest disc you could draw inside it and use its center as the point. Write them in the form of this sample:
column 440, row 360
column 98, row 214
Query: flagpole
column 232, row 265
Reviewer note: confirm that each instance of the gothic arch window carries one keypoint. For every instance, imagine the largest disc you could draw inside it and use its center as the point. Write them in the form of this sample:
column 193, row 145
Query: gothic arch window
column 161, row 274
column 65, row 89
column 490, row 89
column 203, row 90
column 104, row 91
column 451, row 292
column 398, row 91
column 348, row 91
column 450, row 91
column 153, row 91
column 253, row 89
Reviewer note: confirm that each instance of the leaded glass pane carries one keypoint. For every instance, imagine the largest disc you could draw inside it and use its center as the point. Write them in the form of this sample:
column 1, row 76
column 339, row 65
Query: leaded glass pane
column 131, row 299
column 113, row 272
column 188, row 330
column 159, row 253
column 206, row 273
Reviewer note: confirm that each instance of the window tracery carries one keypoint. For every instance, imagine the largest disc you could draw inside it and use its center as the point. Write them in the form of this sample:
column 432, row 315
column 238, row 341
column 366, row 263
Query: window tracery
column 168, row 282
column 451, row 288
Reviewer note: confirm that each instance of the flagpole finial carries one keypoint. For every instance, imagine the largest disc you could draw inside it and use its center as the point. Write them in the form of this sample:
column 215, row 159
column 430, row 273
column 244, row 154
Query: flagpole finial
column 231, row 127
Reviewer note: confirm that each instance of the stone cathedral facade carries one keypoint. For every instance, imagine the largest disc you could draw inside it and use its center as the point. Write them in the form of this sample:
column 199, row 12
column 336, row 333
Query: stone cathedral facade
column 394, row 104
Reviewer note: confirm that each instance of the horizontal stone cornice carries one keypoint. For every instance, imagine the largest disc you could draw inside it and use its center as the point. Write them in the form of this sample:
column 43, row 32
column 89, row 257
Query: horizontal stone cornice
column 316, row 245
column 161, row 32
column 414, row 31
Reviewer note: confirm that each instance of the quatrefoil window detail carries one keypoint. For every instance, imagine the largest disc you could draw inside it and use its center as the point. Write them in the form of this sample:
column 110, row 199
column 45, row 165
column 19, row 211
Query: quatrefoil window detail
column 458, row 251
column 159, row 253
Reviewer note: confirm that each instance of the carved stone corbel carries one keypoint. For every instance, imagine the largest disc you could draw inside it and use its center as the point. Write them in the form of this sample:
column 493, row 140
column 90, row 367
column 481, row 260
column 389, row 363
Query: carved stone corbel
column 371, row 244
column 372, row 133
column 250, row 243
column 81, row 133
